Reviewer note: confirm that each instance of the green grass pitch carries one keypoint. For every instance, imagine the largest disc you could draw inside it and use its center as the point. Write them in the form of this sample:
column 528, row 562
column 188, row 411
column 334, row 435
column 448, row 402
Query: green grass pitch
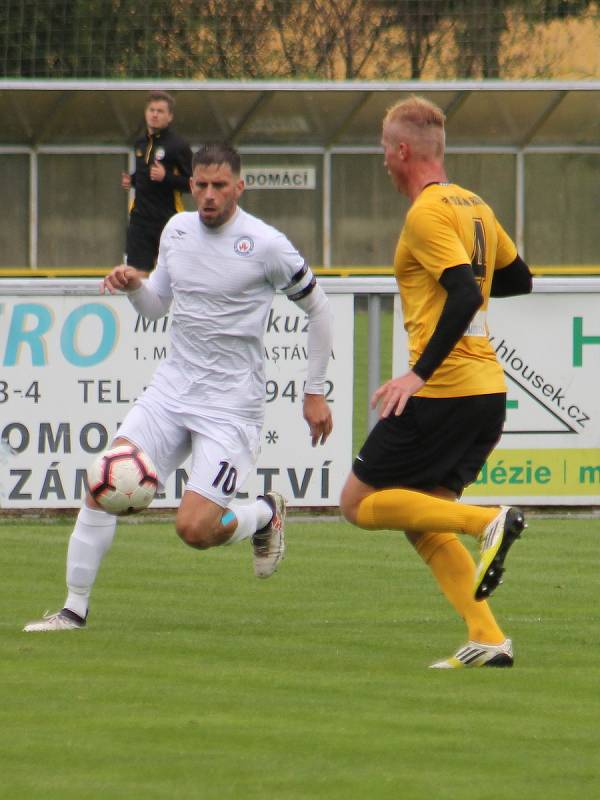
column 195, row 680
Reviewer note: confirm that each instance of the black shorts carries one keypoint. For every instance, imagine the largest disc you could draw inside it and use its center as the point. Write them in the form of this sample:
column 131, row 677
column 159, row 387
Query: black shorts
column 143, row 239
column 434, row 442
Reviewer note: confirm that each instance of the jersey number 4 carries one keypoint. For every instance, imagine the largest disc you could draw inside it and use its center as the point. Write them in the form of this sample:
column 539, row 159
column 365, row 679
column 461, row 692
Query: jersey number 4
column 478, row 255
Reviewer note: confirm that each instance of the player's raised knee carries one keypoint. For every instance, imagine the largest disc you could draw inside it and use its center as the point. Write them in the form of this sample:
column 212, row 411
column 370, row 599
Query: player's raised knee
column 197, row 535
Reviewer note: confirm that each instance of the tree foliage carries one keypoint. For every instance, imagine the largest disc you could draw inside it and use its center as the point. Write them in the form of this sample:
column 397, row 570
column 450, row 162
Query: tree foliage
column 249, row 39
column 98, row 38
column 327, row 38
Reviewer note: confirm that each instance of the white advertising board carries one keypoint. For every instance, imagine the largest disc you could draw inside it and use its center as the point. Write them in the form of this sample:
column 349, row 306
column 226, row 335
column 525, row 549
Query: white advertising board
column 549, row 346
column 71, row 366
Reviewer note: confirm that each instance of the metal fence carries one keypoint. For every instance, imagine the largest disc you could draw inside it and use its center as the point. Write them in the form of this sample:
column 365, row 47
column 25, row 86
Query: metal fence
column 529, row 148
column 299, row 39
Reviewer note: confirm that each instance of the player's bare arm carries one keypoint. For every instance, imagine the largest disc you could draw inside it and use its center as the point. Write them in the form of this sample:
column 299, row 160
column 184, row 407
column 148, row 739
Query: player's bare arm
column 318, row 416
column 121, row 279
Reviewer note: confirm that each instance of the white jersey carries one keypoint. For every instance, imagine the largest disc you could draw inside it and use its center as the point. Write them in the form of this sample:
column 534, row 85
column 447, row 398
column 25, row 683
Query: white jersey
column 221, row 282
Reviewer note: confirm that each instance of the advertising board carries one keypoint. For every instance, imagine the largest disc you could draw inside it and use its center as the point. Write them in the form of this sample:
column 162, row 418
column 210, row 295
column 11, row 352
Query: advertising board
column 548, row 344
column 72, row 364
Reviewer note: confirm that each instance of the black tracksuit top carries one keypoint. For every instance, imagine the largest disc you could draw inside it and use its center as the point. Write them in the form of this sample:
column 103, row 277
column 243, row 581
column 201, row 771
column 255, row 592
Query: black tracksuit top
column 159, row 200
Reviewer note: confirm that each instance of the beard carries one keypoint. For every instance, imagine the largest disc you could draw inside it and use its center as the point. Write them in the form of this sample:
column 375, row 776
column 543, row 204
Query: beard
column 216, row 220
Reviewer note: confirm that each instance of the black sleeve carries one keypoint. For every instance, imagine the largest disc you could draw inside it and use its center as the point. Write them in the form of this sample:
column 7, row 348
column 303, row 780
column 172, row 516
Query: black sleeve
column 464, row 298
column 511, row 280
column 183, row 162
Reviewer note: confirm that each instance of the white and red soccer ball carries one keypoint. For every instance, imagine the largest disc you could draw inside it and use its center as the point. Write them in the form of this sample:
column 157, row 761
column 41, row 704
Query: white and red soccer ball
column 123, row 480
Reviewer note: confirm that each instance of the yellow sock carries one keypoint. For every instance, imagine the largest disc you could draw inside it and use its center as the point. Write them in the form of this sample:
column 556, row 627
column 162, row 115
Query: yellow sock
column 407, row 510
column 454, row 570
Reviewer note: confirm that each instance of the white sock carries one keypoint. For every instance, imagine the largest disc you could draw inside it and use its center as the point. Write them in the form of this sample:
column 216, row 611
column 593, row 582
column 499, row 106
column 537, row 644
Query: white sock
column 92, row 535
column 251, row 517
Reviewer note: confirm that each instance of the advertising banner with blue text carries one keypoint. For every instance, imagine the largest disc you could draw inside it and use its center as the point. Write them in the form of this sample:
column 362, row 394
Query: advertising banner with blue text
column 73, row 362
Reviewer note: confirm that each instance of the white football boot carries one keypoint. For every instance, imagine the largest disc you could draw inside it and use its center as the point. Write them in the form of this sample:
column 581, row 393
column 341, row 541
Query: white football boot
column 269, row 542
column 63, row 620
column 475, row 654
column 496, row 541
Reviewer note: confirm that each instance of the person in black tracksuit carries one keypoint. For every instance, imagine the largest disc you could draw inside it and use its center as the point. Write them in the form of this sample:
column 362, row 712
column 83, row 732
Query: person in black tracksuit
column 163, row 167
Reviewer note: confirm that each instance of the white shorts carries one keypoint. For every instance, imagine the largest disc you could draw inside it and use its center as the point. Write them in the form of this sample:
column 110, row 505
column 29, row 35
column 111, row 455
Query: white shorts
column 223, row 451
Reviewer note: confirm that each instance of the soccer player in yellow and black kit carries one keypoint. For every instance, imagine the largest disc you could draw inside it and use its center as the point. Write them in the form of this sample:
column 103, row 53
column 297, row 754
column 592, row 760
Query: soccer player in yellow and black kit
column 440, row 421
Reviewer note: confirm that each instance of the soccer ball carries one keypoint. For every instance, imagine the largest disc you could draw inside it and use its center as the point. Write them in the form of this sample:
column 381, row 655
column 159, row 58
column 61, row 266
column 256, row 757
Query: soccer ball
column 123, row 480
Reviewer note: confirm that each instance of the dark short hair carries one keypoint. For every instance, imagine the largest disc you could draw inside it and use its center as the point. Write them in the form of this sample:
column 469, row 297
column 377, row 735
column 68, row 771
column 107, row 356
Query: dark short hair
column 218, row 153
column 165, row 97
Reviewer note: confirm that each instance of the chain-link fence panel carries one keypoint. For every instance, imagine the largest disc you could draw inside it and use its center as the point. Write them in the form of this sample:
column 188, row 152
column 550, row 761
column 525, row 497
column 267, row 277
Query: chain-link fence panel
column 300, row 39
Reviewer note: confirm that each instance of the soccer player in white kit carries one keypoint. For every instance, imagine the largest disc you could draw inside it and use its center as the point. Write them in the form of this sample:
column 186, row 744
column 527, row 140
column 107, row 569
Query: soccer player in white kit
column 217, row 272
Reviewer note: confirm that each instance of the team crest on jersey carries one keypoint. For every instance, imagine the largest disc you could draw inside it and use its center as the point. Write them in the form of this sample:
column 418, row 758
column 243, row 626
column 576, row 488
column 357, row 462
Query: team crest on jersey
column 244, row 246
column 159, row 154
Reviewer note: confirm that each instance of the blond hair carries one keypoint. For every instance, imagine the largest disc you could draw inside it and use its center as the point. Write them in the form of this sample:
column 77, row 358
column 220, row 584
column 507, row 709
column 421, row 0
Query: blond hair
column 421, row 122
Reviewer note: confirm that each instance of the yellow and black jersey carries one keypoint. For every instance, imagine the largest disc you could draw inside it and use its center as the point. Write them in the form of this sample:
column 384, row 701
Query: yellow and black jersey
column 157, row 201
column 447, row 226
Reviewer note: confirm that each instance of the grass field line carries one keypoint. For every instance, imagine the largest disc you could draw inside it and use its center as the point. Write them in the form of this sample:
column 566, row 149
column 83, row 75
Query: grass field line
column 294, row 515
